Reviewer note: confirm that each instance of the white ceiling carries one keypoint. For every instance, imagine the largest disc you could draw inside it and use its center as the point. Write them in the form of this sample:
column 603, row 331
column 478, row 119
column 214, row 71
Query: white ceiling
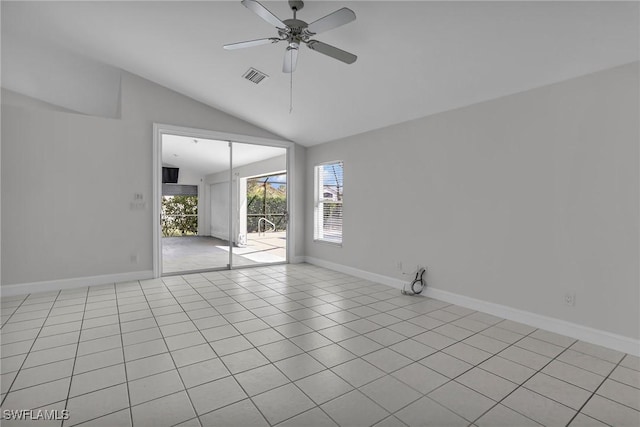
column 206, row 156
column 414, row 58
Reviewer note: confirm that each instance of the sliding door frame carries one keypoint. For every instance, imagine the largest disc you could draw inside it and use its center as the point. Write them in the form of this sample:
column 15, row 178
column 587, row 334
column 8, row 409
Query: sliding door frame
column 160, row 129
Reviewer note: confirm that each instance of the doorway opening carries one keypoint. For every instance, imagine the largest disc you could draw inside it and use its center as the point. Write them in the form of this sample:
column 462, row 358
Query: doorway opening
column 221, row 203
column 267, row 217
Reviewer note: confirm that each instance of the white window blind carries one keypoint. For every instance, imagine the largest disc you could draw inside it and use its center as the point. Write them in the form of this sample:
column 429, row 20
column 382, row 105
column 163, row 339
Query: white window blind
column 329, row 178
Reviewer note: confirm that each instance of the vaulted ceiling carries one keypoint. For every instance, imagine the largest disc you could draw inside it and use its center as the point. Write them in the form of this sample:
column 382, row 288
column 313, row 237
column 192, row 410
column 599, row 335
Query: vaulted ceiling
column 414, row 58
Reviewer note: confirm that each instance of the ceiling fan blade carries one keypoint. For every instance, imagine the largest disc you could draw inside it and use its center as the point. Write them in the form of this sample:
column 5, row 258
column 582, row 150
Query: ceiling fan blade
column 332, row 20
column 290, row 60
column 334, row 52
column 263, row 13
column 250, row 43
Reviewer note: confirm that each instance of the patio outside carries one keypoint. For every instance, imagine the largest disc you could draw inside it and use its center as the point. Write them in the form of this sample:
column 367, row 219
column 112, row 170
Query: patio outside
column 264, row 242
column 189, row 253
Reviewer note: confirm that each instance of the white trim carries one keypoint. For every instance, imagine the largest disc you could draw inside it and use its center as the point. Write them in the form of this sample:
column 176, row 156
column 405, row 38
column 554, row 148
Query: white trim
column 76, row 282
column 157, row 197
column 378, row 278
column 220, row 136
column 327, row 242
column 158, row 130
column 231, row 237
column 317, row 200
column 574, row 330
column 290, row 190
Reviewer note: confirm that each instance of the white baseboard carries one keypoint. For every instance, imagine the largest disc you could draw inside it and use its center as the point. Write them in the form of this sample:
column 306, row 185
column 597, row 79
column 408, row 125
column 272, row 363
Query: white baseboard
column 76, row 282
column 574, row 330
column 378, row 278
column 297, row 259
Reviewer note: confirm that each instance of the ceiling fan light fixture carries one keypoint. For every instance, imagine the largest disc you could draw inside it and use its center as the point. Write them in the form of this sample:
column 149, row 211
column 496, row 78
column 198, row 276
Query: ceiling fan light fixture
column 290, row 58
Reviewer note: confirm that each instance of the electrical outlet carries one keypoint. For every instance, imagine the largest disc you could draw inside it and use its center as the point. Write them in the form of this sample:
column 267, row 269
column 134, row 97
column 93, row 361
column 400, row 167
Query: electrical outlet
column 137, row 206
column 399, row 265
column 570, row 299
column 134, row 258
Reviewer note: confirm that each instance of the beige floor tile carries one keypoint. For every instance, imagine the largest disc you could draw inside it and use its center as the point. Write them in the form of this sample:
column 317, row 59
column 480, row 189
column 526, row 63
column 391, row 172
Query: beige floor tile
column 282, row 403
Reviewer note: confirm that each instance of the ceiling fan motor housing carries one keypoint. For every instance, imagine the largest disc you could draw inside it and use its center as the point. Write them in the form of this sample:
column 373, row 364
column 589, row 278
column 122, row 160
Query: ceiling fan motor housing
column 296, row 31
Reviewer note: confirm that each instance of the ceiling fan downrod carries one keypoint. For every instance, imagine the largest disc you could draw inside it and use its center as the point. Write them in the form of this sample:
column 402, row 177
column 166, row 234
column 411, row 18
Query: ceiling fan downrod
column 296, row 5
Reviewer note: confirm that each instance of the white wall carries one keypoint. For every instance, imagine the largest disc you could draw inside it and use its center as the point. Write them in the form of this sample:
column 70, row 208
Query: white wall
column 68, row 181
column 219, row 210
column 60, row 77
column 263, row 167
column 514, row 201
column 297, row 207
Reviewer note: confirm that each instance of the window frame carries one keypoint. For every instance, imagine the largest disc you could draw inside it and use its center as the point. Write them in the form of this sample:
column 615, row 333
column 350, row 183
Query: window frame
column 318, row 204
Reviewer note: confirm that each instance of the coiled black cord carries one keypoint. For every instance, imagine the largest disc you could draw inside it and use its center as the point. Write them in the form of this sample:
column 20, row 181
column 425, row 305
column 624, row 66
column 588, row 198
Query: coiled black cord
column 418, row 284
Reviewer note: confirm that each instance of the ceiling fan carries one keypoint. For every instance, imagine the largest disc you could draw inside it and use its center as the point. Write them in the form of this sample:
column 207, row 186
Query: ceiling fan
column 295, row 31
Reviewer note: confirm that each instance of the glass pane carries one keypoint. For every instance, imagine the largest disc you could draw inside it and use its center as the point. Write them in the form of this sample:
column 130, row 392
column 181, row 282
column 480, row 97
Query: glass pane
column 332, row 178
column 195, row 204
column 332, row 222
column 260, row 204
column 328, row 212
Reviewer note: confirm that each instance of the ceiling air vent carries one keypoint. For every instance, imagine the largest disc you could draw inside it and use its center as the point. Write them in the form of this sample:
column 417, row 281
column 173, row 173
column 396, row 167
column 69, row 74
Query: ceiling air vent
column 254, row 75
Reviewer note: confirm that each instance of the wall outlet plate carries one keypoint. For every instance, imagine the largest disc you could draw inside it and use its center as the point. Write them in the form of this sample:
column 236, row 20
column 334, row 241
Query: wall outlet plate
column 570, row 299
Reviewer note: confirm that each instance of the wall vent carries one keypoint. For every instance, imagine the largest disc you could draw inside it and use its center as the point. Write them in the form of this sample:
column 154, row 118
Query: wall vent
column 254, row 75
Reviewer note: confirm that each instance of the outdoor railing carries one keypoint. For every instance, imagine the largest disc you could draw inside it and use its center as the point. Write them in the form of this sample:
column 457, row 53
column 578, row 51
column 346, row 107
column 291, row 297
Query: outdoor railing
column 279, row 221
column 265, row 221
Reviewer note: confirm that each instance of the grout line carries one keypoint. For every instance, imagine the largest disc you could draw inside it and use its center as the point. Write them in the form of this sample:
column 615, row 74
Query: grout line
column 29, row 352
column 75, row 357
column 441, row 351
column 195, row 362
column 214, row 352
column 270, row 363
column 15, row 310
column 184, row 388
column 304, row 284
column 595, row 391
column 220, row 357
column 124, row 359
column 360, row 357
column 522, row 385
column 170, row 351
column 101, row 416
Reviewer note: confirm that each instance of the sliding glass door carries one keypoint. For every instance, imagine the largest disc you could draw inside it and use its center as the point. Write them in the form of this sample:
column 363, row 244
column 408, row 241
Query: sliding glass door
column 224, row 204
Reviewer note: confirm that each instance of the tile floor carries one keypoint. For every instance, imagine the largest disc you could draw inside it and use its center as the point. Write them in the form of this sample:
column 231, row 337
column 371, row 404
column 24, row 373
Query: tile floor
column 191, row 253
column 297, row 345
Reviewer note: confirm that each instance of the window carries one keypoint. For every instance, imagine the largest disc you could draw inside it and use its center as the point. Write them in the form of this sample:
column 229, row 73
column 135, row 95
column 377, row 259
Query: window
column 328, row 202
